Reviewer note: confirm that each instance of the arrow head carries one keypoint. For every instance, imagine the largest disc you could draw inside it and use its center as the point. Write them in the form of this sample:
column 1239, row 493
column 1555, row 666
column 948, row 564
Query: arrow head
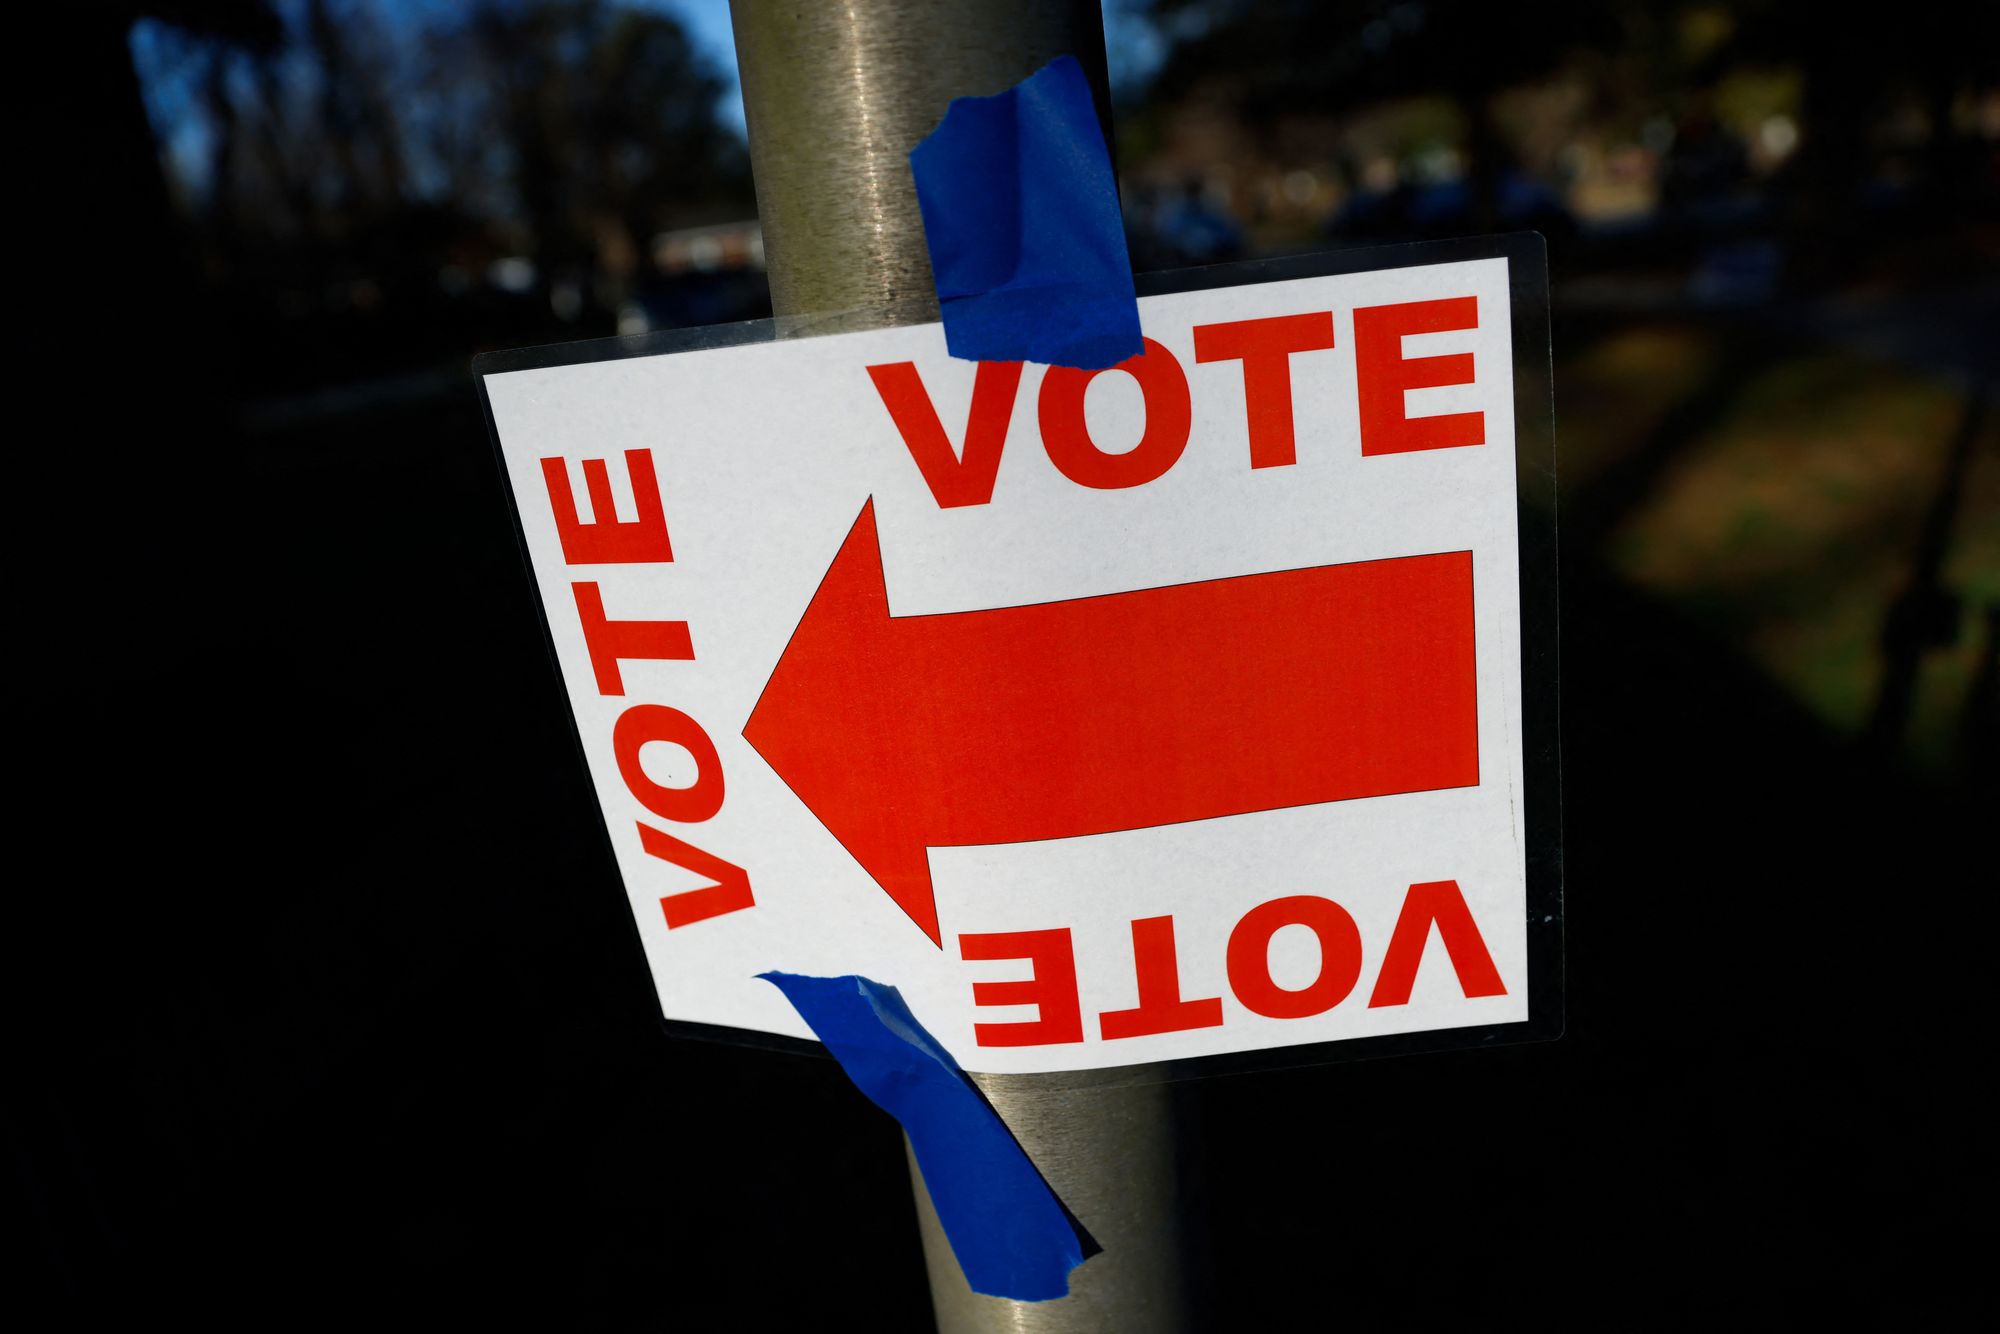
column 835, row 723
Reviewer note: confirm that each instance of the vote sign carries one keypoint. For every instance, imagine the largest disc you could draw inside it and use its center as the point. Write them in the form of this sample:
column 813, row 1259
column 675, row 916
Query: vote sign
column 1198, row 707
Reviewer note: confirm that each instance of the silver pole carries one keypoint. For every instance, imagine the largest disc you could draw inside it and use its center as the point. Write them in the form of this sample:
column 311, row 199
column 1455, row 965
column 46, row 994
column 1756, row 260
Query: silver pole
column 835, row 95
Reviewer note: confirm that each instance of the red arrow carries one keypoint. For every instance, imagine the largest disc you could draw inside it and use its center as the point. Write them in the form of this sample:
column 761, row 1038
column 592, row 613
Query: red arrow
column 904, row 733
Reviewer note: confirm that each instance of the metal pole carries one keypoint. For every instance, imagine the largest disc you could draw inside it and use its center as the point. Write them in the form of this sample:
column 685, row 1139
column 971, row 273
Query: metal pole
column 835, row 96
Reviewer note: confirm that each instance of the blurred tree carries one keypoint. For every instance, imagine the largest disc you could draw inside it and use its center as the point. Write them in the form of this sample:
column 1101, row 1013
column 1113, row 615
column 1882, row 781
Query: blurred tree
column 1928, row 58
column 363, row 151
column 609, row 115
column 1269, row 57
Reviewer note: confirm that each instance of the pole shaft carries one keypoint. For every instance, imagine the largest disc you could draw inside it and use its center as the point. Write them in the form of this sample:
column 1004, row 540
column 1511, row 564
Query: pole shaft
column 835, row 96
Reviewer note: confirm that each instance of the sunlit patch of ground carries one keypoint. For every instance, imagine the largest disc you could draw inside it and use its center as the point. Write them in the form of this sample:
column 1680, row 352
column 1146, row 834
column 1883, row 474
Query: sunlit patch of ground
column 1791, row 521
column 1616, row 390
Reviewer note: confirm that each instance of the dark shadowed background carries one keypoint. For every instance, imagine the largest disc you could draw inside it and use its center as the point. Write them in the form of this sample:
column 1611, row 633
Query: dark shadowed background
column 326, row 1011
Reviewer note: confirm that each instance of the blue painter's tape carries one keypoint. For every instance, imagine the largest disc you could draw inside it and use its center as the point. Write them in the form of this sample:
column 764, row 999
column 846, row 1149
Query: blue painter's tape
column 1011, row 1235
column 1021, row 214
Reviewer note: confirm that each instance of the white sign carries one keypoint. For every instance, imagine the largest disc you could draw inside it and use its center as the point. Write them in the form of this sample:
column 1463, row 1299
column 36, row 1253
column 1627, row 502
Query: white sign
column 1115, row 718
